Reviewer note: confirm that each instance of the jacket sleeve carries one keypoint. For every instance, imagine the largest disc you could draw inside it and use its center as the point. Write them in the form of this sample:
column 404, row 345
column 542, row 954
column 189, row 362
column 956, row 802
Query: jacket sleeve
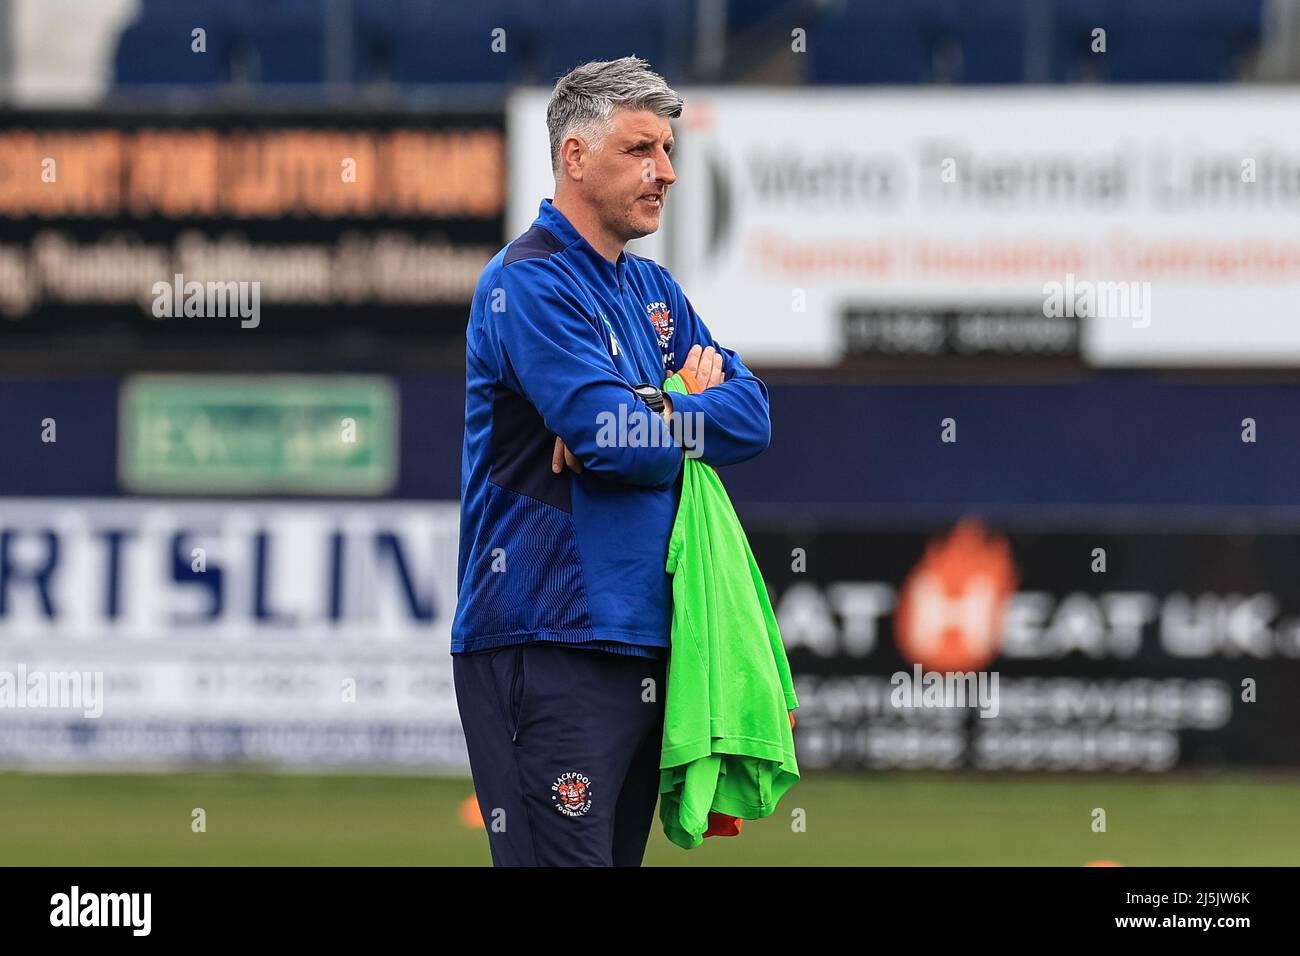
column 553, row 355
column 736, row 426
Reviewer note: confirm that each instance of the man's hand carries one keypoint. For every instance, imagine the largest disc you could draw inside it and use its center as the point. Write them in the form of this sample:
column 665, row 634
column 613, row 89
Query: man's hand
column 705, row 365
column 561, row 456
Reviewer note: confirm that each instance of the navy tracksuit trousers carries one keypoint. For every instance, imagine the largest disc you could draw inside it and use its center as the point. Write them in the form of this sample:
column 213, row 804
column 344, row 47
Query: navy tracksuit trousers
column 564, row 747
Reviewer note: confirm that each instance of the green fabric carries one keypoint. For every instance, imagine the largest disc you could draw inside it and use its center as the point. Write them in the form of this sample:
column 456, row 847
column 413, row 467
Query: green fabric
column 727, row 746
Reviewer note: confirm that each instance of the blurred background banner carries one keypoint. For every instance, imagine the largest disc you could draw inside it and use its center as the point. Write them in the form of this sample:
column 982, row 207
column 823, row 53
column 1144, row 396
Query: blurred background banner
column 329, row 434
column 1021, row 277
column 330, row 214
column 273, row 633
column 1139, row 668
column 919, row 223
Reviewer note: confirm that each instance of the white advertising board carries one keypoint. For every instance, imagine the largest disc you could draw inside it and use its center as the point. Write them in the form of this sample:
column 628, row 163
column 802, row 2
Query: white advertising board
column 281, row 632
column 795, row 207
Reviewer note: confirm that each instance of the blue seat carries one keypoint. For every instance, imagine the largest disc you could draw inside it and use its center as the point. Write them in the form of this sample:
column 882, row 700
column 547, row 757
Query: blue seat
column 454, row 43
column 992, row 38
column 1178, row 41
column 238, row 14
column 376, row 27
column 292, row 52
column 743, row 14
column 881, row 43
column 149, row 52
column 1072, row 25
column 159, row 51
column 578, row 31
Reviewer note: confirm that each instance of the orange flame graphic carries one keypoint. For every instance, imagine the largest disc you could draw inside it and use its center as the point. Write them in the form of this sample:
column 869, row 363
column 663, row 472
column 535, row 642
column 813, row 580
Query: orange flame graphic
column 951, row 606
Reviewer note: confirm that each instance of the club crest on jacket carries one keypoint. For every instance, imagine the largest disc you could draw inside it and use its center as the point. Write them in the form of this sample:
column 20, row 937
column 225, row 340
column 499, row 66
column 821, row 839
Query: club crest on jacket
column 662, row 320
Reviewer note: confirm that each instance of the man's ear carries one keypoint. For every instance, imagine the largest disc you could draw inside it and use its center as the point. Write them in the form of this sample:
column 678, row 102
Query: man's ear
column 573, row 153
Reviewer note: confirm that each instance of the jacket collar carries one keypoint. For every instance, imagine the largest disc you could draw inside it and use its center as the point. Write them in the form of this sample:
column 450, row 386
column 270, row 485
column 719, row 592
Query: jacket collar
column 555, row 222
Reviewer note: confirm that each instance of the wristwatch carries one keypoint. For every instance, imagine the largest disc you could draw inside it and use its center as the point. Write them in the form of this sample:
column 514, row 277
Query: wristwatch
column 652, row 395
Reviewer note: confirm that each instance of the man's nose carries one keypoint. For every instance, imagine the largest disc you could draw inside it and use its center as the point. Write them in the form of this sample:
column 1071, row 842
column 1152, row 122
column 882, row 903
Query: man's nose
column 664, row 169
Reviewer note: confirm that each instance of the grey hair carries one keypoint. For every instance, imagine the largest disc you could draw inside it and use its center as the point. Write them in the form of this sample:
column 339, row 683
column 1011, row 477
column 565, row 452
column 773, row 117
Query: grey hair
column 584, row 100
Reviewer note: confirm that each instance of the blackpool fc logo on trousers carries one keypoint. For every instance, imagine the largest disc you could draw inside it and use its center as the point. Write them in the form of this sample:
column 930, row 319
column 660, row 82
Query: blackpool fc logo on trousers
column 571, row 794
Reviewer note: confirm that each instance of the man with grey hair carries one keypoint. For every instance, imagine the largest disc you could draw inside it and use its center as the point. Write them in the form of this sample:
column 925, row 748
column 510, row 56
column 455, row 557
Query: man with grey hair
column 564, row 608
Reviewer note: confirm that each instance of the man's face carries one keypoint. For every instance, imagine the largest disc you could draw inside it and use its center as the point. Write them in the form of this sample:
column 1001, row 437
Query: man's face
column 627, row 179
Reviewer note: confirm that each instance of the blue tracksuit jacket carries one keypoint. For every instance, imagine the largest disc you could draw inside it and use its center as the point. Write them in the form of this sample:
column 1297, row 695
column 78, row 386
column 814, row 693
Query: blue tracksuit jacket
column 557, row 336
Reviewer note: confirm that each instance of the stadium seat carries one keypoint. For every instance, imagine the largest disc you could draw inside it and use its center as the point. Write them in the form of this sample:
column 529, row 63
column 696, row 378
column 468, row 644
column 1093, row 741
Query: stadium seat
column 579, row 31
column 883, row 43
column 159, row 51
column 289, row 42
column 1178, row 41
column 992, row 38
column 452, row 43
column 155, row 49
column 1072, row 24
column 743, row 14
column 429, row 42
column 376, row 26
column 230, row 13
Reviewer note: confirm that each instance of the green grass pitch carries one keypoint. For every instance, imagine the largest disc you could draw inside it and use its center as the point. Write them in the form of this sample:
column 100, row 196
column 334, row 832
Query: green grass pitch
column 1224, row 819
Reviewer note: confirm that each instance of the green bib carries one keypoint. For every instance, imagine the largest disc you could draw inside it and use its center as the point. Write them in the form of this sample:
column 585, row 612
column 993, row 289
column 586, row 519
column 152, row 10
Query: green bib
column 728, row 746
